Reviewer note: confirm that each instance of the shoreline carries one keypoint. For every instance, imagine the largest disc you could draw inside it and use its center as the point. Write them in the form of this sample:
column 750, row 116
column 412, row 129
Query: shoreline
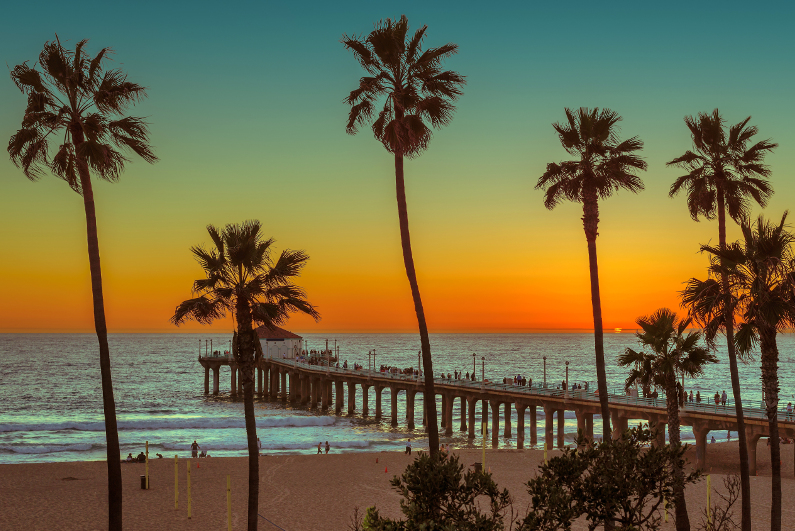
column 297, row 492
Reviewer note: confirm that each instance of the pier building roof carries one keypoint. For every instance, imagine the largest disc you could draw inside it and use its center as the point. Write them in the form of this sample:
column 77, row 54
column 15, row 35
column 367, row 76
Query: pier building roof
column 274, row 332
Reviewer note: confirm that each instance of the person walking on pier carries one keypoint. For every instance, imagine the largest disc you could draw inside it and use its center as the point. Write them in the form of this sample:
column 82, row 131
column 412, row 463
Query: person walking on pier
column 723, row 398
column 717, row 398
column 789, row 411
column 698, row 397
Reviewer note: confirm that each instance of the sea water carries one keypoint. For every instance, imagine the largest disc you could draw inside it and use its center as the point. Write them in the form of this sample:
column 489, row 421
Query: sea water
column 51, row 395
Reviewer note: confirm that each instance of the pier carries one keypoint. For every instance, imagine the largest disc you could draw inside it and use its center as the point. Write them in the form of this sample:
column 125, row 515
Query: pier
column 323, row 388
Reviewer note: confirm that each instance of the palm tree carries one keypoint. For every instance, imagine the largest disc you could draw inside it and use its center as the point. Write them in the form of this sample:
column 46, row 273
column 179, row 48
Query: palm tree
column 602, row 166
column 73, row 95
column 672, row 352
column 412, row 91
column 761, row 273
column 723, row 172
column 242, row 279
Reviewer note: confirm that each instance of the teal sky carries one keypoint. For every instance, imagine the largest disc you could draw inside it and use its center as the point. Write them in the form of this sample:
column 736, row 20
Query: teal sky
column 246, row 113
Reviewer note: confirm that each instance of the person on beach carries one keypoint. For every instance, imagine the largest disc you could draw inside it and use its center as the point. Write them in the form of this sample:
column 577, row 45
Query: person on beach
column 789, row 411
column 320, row 448
column 408, row 447
column 259, row 446
column 129, row 457
column 723, row 398
column 194, row 449
column 713, row 440
column 327, row 447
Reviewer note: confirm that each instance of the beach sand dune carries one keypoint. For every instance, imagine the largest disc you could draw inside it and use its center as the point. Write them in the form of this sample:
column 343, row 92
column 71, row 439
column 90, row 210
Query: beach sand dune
column 297, row 492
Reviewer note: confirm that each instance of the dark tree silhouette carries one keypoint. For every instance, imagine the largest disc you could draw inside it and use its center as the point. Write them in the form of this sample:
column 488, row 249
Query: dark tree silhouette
column 242, row 279
column 671, row 352
column 723, row 172
column 73, row 97
column 761, row 273
column 602, row 166
column 413, row 92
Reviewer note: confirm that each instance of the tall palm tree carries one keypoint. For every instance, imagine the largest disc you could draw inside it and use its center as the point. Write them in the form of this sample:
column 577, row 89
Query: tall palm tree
column 724, row 172
column 74, row 98
column 241, row 278
column 412, row 91
column 671, row 352
column 761, row 273
column 603, row 164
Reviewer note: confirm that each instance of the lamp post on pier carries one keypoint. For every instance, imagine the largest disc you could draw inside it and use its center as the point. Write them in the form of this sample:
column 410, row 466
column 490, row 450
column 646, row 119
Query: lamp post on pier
column 567, row 378
column 483, row 368
column 474, row 367
column 545, row 371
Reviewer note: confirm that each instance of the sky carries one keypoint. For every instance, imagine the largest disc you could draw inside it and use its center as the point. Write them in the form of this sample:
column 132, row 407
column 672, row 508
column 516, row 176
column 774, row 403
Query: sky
column 246, row 116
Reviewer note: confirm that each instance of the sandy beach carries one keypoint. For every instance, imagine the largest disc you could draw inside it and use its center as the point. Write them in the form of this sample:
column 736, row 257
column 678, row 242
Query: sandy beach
column 297, row 492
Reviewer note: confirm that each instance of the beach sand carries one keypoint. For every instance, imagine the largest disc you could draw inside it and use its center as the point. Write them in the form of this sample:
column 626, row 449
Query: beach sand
column 297, row 492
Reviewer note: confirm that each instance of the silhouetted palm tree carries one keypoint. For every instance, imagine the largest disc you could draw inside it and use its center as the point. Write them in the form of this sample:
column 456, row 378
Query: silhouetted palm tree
column 73, row 99
column 412, row 91
column 671, row 352
column 723, row 172
column 603, row 165
column 242, row 279
column 761, row 273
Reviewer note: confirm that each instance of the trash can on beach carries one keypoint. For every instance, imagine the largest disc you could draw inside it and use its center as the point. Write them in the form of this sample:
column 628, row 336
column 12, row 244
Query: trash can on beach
column 478, row 467
column 143, row 482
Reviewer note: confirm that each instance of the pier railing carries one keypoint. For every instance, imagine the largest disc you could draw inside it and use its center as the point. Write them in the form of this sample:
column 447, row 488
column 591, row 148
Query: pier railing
column 616, row 397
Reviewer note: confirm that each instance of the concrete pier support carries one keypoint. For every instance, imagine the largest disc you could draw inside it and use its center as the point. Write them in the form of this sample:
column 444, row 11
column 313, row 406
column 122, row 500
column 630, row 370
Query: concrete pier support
column 533, row 425
column 580, row 422
column 365, row 399
column 495, row 423
column 507, row 433
column 472, row 403
column 448, row 413
column 259, row 382
column 274, row 385
column 339, row 392
column 327, row 389
column 700, row 432
column 620, row 424
column 394, row 405
column 484, row 425
column 378, row 411
column 520, row 408
column 313, row 392
column 549, row 427
column 216, row 379
column 589, row 426
column 207, row 380
column 443, row 422
column 463, row 413
column 304, row 386
column 410, row 393
column 752, row 435
column 351, row 398
column 561, row 427
column 233, row 391
column 283, row 386
column 240, row 382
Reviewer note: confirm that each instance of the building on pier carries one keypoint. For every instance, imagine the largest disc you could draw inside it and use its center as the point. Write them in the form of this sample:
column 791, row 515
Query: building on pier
column 278, row 343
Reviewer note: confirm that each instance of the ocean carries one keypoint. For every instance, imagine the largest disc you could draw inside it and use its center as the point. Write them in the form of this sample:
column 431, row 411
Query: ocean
column 51, row 400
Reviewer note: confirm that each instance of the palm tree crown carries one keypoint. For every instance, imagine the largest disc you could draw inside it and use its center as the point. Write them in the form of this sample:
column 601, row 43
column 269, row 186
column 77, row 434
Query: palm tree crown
column 408, row 79
column 240, row 273
column 722, row 163
column 603, row 164
column 672, row 352
column 74, row 95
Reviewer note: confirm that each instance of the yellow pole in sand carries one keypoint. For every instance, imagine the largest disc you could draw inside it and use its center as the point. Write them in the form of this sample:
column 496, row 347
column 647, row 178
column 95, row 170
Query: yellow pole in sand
column 709, row 495
column 189, row 500
column 229, row 502
column 545, row 451
column 147, row 465
column 484, row 447
column 176, row 484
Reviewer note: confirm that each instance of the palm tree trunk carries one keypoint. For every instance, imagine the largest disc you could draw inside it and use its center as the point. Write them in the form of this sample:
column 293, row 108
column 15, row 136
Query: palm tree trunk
column 745, row 480
column 245, row 358
column 108, row 402
column 590, row 219
column 429, row 395
column 770, row 380
column 671, row 398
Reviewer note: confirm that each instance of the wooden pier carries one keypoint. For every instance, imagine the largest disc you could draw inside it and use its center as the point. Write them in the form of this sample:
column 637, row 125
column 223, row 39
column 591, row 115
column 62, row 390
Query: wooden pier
column 318, row 387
